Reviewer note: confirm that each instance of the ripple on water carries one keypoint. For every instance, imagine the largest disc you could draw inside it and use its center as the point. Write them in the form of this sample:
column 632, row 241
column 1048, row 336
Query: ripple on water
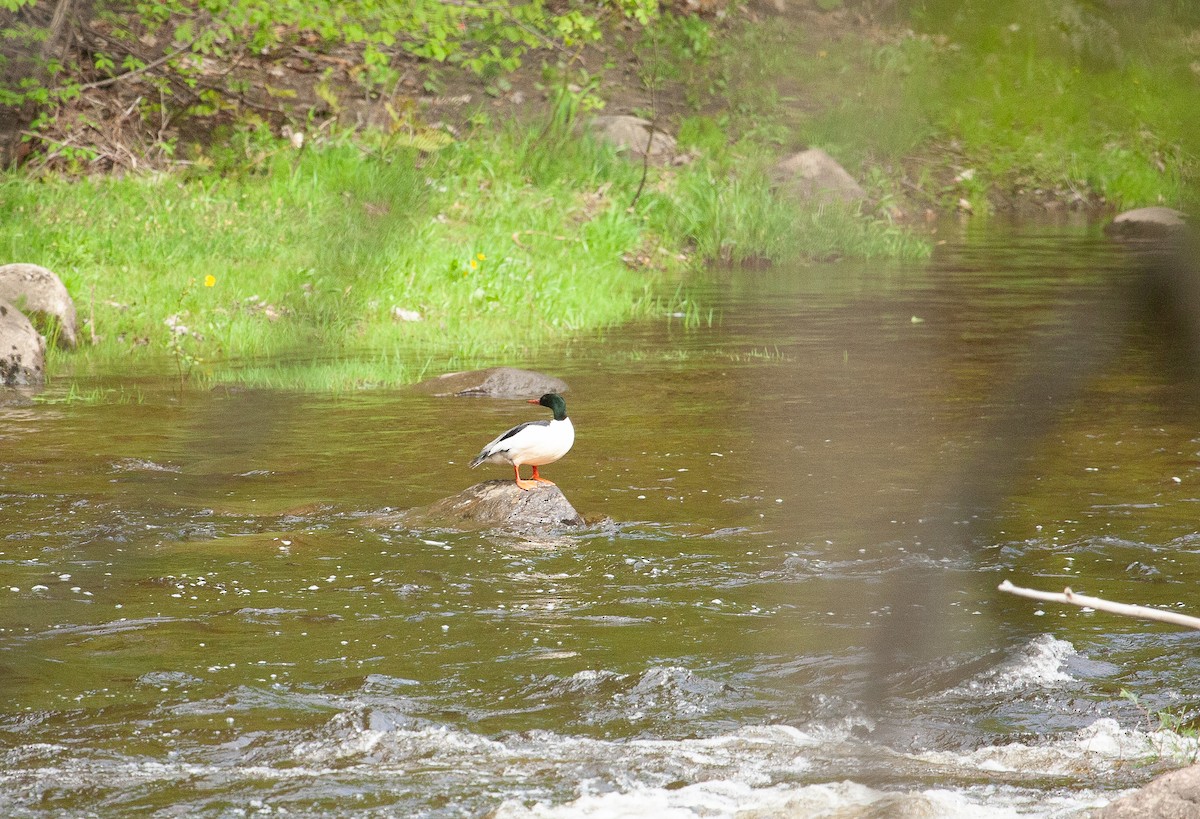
column 661, row 694
column 142, row 465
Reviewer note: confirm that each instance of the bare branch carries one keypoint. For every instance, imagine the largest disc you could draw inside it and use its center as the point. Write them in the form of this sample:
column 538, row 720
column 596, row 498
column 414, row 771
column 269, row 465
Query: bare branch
column 135, row 71
column 1068, row 596
column 650, row 137
column 46, row 139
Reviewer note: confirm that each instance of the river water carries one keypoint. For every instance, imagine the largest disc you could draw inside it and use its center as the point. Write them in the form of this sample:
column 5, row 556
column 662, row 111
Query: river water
column 785, row 604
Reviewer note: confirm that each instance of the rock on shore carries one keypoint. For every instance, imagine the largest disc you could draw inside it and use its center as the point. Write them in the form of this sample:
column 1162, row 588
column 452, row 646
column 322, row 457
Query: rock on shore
column 1174, row 795
column 635, row 137
column 22, row 350
column 1153, row 221
column 42, row 297
column 814, row 176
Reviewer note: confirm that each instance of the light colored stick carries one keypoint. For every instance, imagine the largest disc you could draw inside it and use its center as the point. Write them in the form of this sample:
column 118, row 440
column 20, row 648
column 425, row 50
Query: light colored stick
column 1068, row 596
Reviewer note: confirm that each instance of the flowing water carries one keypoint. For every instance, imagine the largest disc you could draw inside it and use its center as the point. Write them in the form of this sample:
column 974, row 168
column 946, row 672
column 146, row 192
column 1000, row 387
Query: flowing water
column 205, row 610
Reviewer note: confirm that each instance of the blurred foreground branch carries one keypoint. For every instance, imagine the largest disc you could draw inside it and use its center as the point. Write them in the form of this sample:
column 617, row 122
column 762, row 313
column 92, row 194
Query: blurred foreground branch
column 1068, row 596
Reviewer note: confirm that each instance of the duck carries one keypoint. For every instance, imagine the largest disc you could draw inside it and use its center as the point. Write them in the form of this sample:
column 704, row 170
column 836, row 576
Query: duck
column 536, row 443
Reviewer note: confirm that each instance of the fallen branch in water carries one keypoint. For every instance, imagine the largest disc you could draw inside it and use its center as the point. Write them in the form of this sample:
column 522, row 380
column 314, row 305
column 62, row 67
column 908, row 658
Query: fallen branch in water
column 1099, row 604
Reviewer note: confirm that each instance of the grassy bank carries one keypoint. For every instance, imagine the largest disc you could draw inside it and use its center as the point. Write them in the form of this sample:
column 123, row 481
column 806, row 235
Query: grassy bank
column 363, row 262
column 364, row 265
column 1071, row 105
column 1028, row 105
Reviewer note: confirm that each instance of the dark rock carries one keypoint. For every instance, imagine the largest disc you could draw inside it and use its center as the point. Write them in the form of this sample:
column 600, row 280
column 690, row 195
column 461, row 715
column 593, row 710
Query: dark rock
column 43, row 298
column 632, row 135
column 499, row 504
column 1174, row 795
column 814, row 176
column 497, row 382
column 22, row 350
column 1154, row 221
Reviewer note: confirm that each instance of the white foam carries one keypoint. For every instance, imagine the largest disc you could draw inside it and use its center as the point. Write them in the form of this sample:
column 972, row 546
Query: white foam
column 1101, row 747
column 1039, row 664
column 721, row 798
column 762, row 772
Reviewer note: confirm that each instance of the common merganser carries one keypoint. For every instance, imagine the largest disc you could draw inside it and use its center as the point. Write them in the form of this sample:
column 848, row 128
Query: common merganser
column 536, row 443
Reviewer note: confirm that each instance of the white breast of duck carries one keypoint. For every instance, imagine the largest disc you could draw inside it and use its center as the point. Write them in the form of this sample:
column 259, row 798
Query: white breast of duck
column 535, row 443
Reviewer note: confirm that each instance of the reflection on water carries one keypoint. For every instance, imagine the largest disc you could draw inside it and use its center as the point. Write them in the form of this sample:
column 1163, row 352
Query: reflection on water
column 198, row 613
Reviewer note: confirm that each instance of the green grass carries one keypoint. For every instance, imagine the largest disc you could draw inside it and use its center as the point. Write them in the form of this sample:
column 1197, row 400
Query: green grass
column 319, row 253
column 1052, row 115
column 1060, row 98
column 723, row 203
column 306, row 269
column 75, row 394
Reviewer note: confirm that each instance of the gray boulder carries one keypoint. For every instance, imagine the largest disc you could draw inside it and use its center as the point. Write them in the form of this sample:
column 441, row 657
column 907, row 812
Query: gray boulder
column 22, row 350
column 632, row 135
column 496, row 382
column 814, row 176
column 41, row 296
column 1174, row 795
column 499, row 504
column 1152, row 221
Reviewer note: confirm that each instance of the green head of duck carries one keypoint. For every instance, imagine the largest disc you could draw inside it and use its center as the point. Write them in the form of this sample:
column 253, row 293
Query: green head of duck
column 555, row 403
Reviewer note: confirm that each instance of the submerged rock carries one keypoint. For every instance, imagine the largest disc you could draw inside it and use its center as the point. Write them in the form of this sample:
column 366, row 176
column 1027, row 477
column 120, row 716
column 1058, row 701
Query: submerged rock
column 496, row 382
column 814, row 176
column 499, row 504
column 22, row 350
column 1174, row 795
column 1153, row 221
column 43, row 298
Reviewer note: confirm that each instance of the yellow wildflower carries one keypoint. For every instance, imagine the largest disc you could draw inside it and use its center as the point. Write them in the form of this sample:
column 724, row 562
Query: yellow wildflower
column 210, row 280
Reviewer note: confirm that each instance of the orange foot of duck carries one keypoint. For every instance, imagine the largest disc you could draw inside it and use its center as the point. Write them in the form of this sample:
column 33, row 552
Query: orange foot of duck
column 540, row 479
column 522, row 483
